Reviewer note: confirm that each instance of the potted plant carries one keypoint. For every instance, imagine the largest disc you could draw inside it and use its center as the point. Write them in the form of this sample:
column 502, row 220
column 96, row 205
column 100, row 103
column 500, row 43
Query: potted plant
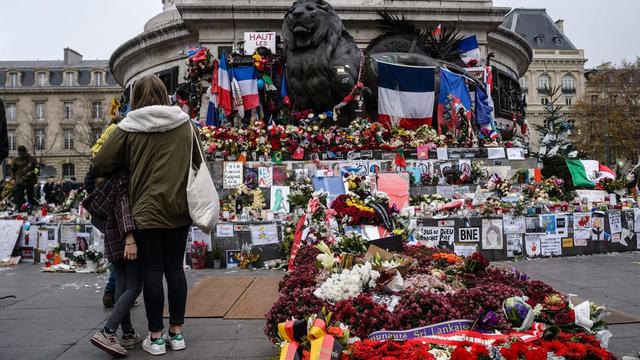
column 92, row 257
column 216, row 255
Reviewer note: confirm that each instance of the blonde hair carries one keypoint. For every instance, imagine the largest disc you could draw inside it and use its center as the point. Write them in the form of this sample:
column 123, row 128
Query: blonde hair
column 149, row 90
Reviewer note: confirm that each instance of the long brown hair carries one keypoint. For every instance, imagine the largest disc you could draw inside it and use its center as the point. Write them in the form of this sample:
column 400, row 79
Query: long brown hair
column 149, row 90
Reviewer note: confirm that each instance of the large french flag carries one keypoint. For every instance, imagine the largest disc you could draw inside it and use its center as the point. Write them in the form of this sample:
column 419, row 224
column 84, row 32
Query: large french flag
column 247, row 77
column 469, row 51
column 406, row 95
column 223, row 86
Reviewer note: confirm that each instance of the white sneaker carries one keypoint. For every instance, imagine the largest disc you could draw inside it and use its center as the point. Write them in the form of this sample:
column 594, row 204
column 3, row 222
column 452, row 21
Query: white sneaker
column 156, row 347
column 175, row 343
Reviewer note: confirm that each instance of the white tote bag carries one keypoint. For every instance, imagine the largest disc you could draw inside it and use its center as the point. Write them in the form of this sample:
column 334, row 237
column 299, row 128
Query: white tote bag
column 202, row 197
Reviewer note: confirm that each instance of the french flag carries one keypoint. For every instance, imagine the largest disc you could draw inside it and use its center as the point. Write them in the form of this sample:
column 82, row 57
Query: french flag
column 469, row 51
column 406, row 95
column 223, row 86
column 247, row 77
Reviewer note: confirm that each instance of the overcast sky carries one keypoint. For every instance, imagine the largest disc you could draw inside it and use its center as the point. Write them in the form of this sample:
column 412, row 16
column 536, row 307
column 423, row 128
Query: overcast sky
column 40, row 29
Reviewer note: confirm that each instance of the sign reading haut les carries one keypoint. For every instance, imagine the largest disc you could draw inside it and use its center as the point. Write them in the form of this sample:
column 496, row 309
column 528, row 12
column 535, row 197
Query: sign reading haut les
column 447, row 327
column 254, row 40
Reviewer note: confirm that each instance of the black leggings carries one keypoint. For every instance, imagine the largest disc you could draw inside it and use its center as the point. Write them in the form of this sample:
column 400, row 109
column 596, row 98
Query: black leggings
column 162, row 253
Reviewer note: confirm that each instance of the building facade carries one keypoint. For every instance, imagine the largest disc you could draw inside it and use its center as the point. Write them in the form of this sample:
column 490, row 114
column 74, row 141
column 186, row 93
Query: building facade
column 56, row 109
column 556, row 62
column 220, row 26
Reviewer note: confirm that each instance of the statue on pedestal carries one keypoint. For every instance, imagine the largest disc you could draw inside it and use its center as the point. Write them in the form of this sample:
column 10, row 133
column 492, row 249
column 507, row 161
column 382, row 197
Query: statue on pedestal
column 323, row 60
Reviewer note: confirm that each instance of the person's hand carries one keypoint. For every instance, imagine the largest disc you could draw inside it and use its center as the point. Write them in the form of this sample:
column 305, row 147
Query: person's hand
column 130, row 247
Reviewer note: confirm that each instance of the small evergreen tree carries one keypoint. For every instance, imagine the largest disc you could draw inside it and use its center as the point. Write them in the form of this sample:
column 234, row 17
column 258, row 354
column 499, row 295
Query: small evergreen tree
column 554, row 133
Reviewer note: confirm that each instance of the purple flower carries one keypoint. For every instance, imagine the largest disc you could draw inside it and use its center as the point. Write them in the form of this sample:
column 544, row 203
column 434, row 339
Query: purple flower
column 488, row 321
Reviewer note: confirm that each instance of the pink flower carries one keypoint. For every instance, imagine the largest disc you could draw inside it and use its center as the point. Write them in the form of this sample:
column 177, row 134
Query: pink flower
column 313, row 205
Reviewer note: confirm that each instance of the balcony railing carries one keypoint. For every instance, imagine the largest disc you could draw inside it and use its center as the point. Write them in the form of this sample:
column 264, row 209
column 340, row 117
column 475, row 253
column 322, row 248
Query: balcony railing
column 568, row 90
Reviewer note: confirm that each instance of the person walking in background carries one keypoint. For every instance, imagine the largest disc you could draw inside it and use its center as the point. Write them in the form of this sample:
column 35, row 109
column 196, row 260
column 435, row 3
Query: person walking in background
column 24, row 171
column 154, row 144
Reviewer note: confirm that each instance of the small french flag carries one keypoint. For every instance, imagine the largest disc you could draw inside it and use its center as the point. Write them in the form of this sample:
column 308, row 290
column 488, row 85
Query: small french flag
column 438, row 30
column 247, row 77
column 469, row 51
column 406, row 95
column 224, row 86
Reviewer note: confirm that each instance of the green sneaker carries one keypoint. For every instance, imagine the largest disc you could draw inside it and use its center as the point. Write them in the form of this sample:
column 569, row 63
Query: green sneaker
column 155, row 347
column 176, row 342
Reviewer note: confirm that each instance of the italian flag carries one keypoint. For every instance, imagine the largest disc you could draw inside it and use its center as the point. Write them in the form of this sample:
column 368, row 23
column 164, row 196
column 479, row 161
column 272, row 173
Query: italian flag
column 587, row 173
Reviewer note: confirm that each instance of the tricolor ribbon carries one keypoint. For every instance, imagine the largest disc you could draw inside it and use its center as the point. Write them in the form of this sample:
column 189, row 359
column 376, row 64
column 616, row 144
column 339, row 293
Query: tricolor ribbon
column 293, row 333
column 323, row 346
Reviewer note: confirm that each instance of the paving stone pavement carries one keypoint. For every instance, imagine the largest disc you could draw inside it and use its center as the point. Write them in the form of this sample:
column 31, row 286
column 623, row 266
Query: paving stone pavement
column 55, row 314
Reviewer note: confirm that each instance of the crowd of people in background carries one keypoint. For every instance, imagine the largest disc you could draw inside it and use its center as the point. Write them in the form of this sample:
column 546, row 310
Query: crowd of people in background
column 28, row 189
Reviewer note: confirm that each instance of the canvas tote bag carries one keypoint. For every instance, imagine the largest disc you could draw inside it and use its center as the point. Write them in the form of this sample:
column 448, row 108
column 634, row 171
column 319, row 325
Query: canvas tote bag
column 202, row 197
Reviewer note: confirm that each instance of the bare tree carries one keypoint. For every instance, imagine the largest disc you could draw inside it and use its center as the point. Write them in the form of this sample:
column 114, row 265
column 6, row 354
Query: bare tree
column 608, row 119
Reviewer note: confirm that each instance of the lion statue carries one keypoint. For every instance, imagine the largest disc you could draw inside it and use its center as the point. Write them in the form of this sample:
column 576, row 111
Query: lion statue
column 322, row 58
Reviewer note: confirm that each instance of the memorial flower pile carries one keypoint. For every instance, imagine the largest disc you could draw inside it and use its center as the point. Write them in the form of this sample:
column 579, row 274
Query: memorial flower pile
column 460, row 308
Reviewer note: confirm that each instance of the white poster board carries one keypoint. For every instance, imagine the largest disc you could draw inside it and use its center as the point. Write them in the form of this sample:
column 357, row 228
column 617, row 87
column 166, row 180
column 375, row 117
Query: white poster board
column 254, row 40
column 9, row 233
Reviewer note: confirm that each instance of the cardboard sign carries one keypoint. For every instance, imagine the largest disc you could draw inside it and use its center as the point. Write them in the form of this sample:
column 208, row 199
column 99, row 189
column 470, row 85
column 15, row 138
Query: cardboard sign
column 592, row 195
column 442, row 154
column 224, row 230
column 447, row 235
column 254, row 40
column 264, row 234
column 581, row 228
column 514, row 245
column 492, row 234
column 495, row 153
column 532, row 244
column 464, row 250
column 515, row 153
column 280, row 199
column 265, row 177
column 615, row 222
column 471, row 234
column 567, row 242
column 428, row 234
column 551, row 246
column 9, row 233
column 232, row 176
column 514, row 224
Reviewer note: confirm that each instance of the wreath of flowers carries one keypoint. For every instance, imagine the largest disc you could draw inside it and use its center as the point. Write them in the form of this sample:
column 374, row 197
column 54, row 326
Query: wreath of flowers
column 253, row 199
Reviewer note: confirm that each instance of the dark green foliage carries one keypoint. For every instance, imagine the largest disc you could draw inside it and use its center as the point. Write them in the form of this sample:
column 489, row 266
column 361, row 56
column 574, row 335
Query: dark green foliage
column 554, row 134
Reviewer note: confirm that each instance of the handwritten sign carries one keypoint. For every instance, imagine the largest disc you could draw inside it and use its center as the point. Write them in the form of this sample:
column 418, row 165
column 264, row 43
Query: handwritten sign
column 615, row 222
column 254, row 40
column 551, row 246
column 447, row 235
column 232, row 177
column 264, row 234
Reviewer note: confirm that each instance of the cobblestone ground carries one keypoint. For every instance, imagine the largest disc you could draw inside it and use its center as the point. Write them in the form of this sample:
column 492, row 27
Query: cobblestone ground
column 55, row 314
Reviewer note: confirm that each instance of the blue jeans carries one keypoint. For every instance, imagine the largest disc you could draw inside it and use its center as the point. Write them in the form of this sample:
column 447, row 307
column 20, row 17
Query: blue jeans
column 111, row 283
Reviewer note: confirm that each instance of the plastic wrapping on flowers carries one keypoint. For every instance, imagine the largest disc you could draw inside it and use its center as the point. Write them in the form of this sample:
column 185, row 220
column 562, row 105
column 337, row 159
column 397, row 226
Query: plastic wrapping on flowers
column 420, row 303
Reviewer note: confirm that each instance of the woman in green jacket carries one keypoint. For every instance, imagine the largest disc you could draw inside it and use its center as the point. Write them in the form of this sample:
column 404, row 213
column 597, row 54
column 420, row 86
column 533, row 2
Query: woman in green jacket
column 153, row 144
